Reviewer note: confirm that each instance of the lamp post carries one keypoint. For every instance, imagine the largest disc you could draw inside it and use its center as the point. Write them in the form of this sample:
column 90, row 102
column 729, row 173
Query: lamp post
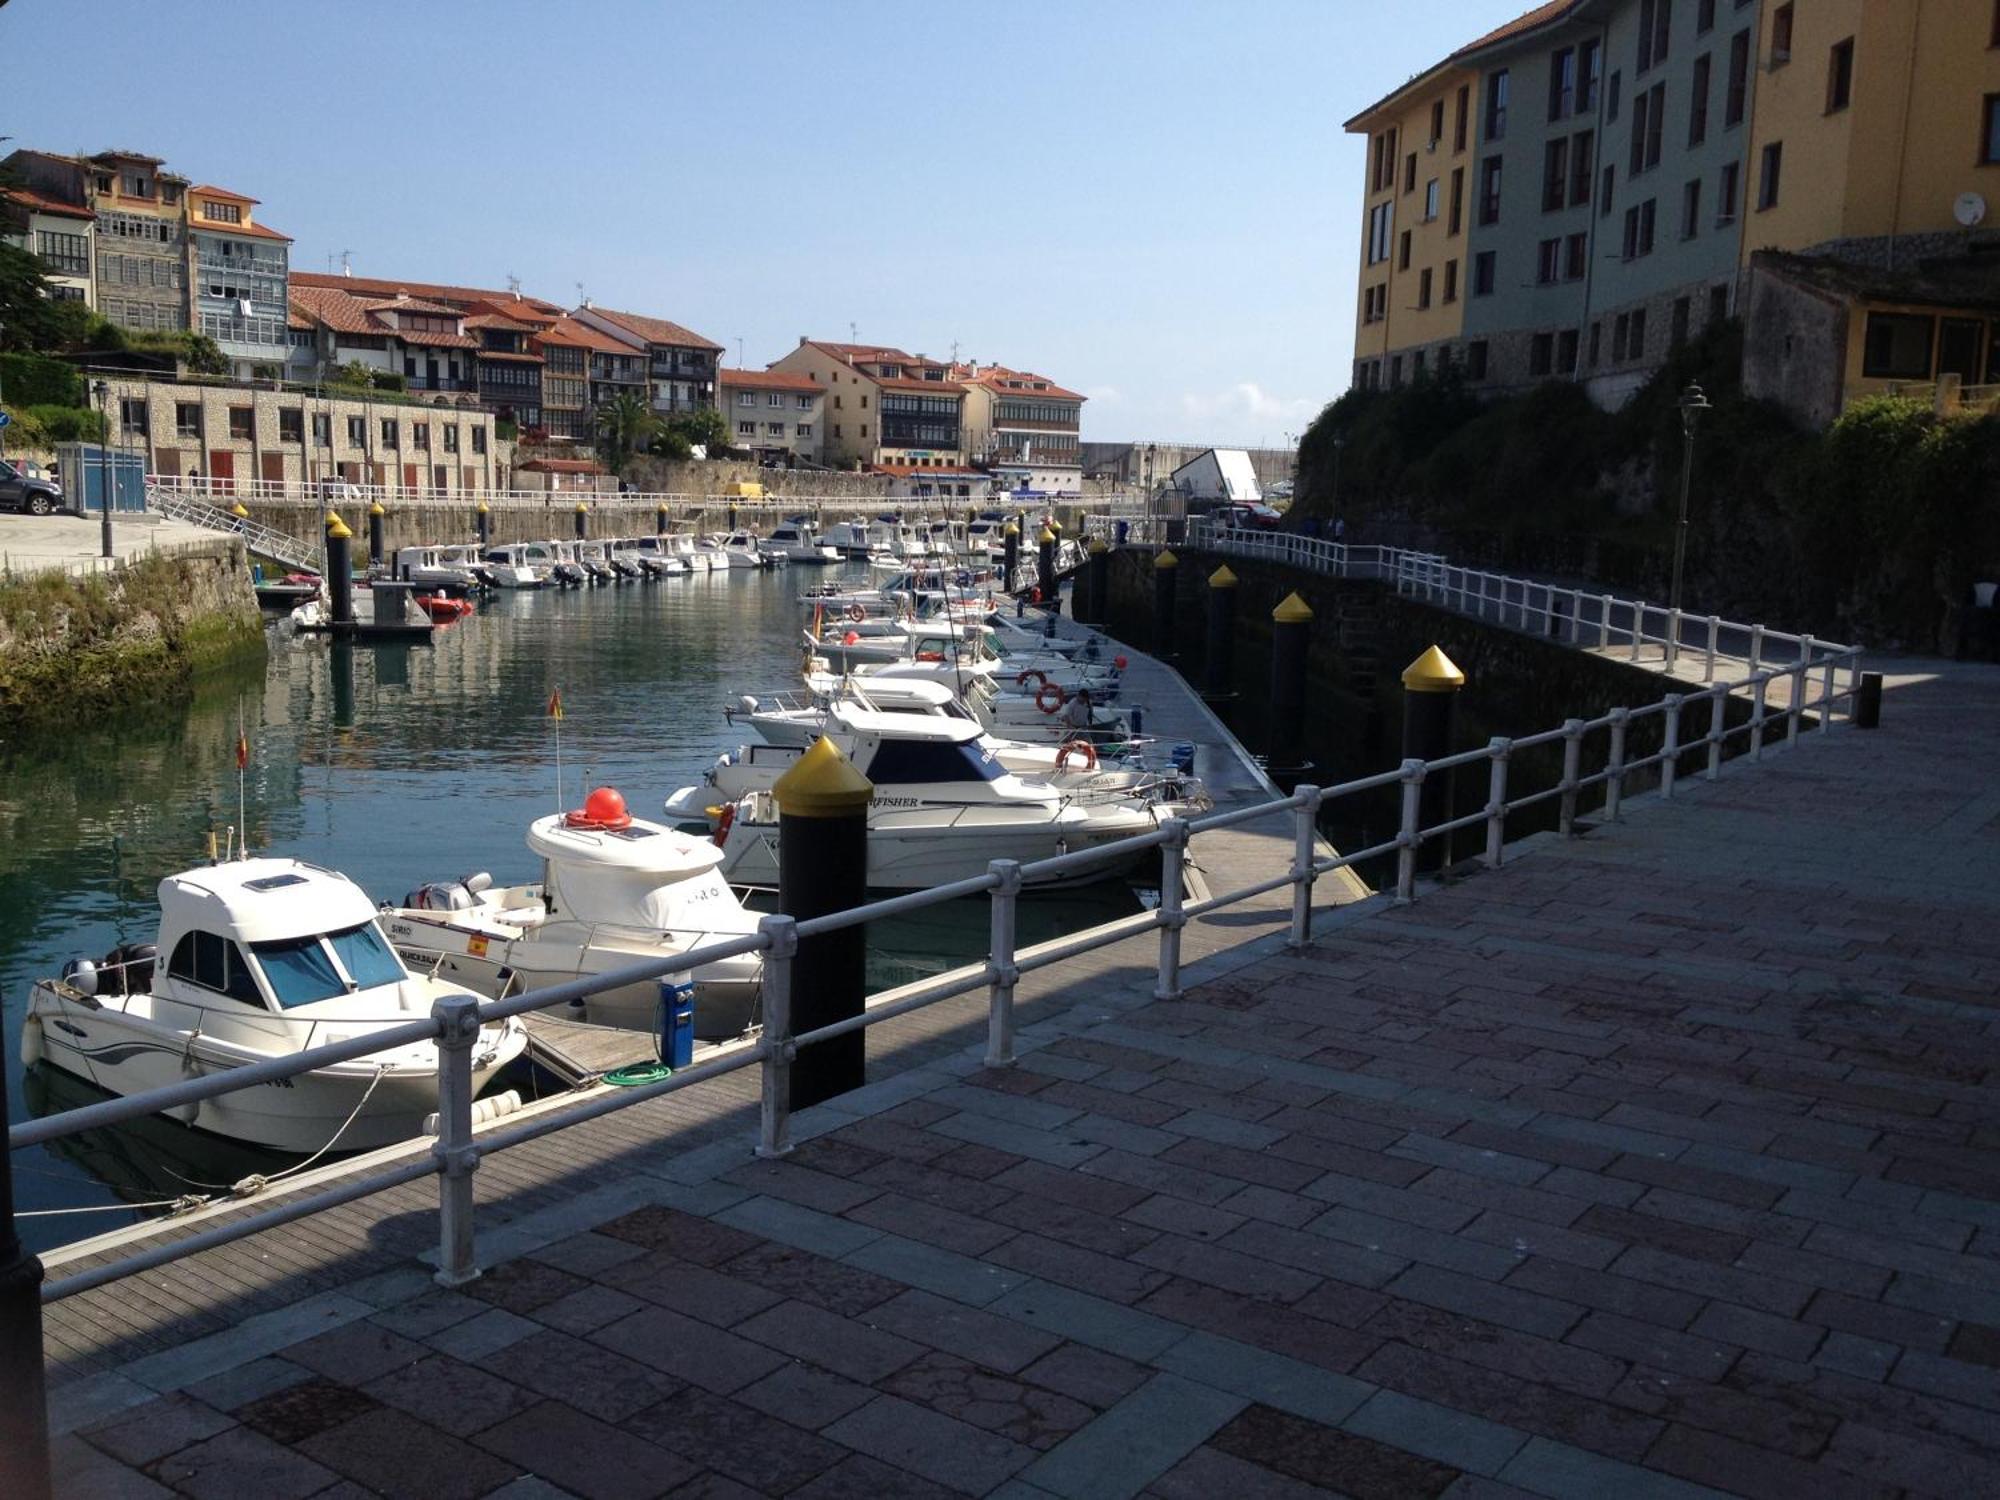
column 1692, row 404
column 102, row 390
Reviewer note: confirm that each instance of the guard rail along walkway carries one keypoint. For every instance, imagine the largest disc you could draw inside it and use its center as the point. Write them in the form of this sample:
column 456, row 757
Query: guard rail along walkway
column 263, row 540
column 1699, row 648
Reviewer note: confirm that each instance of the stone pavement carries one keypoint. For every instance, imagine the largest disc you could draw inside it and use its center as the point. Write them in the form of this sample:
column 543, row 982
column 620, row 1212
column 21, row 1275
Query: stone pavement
column 69, row 543
column 1658, row 1163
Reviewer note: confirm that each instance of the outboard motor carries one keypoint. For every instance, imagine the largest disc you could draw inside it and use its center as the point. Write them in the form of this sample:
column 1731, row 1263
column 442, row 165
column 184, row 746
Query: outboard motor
column 128, row 969
column 439, row 895
column 82, row 974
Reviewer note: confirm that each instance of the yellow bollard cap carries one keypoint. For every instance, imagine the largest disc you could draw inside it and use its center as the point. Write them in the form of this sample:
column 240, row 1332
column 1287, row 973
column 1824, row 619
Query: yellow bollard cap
column 1097, row 545
column 1433, row 672
column 1166, row 560
column 1222, row 578
column 1045, row 536
column 484, row 508
column 378, row 509
column 1012, row 530
column 1293, row 611
column 240, row 511
column 822, row 783
column 335, row 527
column 582, row 506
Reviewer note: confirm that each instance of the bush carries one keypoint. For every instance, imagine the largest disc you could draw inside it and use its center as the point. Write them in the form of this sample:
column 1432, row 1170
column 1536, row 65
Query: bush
column 31, row 380
column 387, row 380
column 68, row 424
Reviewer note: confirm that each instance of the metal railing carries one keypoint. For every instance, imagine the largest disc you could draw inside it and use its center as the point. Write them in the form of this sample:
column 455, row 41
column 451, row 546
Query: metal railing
column 455, row 1021
column 267, row 541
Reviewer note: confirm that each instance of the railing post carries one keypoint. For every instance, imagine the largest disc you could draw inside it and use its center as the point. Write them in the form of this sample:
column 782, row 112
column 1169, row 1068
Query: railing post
column 1801, row 678
column 1756, row 648
column 1638, row 626
column 457, row 1158
column 1003, row 973
column 1498, row 749
column 1718, row 718
column 1572, row 772
column 1670, row 748
column 782, row 934
column 1604, row 623
column 1575, row 616
column 1826, row 696
column 1714, row 642
column 1614, row 765
column 1482, row 595
column 1304, row 856
column 1406, row 839
column 1173, row 892
column 1757, row 717
column 1673, row 638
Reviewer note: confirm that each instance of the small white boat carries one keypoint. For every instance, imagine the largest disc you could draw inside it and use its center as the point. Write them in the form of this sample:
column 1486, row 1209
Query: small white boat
column 615, row 891
column 857, row 537
column 262, row 958
column 796, row 541
column 653, row 554
column 739, row 549
column 519, row 565
column 453, row 569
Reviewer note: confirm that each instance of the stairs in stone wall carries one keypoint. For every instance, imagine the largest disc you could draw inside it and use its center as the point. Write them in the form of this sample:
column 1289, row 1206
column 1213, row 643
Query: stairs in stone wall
column 1359, row 631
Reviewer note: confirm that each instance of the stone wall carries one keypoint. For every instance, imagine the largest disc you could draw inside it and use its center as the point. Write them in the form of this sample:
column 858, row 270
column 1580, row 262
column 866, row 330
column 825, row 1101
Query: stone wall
column 73, row 647
column 1794, row 347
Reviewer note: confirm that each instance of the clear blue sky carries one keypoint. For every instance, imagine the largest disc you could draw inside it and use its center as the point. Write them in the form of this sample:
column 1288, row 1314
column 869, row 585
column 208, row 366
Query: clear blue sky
column 1151, row 201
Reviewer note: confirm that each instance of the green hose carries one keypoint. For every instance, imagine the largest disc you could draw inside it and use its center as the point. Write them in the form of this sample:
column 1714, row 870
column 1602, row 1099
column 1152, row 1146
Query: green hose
column 636, row 1074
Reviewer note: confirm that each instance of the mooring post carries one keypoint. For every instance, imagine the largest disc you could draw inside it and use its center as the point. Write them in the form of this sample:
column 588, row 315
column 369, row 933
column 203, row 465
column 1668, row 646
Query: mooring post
column 377, row 524
column 1221, row 664
column 660, row 519
column 1868, row 702
column 822, row 860
column 1049, row 585
column 340, row 568
column 457, row 1157
column 24, row 1415
column 1173, row 893
column 1002, row 972
column 1291, row 637
column 1099, row 574
column 582, row 519
column 1010, row 556
column 1166, row 573
column 482, row 519
column 1431, row 686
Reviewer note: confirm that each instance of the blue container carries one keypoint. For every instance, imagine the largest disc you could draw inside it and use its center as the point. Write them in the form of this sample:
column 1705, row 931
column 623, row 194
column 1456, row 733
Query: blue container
column 1136, row 715
column 677, row 1023
column 1121, row 529
column 1184, row 757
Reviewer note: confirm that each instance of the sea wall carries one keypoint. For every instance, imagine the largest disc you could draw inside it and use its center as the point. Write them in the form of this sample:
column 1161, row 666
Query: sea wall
column 73, row 647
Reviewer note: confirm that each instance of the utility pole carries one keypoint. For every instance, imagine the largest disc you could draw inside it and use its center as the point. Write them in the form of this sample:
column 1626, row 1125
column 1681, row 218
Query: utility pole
column 103, row 392
column 1692, row 404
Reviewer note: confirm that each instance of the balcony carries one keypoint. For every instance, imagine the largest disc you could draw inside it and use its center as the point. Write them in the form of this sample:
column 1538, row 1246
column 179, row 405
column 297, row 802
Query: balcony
column 669, row 369
column 438, row 383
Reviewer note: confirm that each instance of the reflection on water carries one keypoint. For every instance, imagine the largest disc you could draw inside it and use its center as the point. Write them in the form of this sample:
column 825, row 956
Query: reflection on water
column 395, row 766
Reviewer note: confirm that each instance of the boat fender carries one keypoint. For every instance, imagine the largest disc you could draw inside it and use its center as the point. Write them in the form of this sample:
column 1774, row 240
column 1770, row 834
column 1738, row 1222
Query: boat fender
column 722, row 823
column 1041, row 678
column 603, row 808
column 1077, row 747
column 31, row 1041
column 1050, row 698
column 856, row 613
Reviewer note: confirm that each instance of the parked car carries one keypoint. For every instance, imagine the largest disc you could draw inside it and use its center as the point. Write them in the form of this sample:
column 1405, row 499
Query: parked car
column 18, row 491
column 1249, row 517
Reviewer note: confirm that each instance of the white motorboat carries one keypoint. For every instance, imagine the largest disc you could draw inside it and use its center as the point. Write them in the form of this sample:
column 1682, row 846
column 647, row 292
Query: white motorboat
column 653, row 554
column 262, row 958
column 943, row 808
column 452, row 569
column 739, row 549
column 857, row 537
column 615, row 891
column 697, row 553
column 520, row 565
column 597, row 560
column 1035, row 716
column 796, row 541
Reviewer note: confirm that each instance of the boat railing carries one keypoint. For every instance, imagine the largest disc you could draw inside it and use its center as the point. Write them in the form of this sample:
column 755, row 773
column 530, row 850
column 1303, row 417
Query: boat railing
column 1696, row 731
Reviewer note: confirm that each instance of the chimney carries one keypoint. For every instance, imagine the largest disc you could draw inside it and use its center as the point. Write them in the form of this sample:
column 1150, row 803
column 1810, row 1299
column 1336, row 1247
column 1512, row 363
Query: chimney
column 803, row 341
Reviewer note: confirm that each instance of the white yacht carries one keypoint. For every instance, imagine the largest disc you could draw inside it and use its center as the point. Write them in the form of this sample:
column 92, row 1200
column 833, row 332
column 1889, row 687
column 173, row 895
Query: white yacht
column 943, row 808
column 796, row 541
column 698, row 553
column 654, row 554
column 857, row 537
column 739, row 549
column 599, row 562
column 519, row 565
column 453, row 568
column 263, row 958
column 615, row 891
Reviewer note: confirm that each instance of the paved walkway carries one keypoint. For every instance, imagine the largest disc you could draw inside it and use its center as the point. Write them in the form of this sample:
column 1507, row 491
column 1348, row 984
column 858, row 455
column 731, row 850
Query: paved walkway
column 44, row 544
column 1656, row 1163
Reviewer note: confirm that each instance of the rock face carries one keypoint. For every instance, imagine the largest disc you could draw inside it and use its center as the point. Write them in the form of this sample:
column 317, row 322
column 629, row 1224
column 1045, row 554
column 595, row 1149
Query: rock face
column 70, row 646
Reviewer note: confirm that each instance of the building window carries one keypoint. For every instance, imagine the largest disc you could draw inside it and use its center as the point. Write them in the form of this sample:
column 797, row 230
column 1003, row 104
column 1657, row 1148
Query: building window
column 1620, row 327
column 1555, row 174
column 322, row 430
column 1781, row 36
column 1840, row 76
column 420, row 435
column 1698, row 102
column 242, row 424
column 1489, row 191
column 132, row 416
column 391, row 438
column 1604, row 196
column 1431, row 200
column 1383, row 175
column 1417, row 365
column 1739, row 79
column 746, row 398
column 1718, row 303
column 1461, row 110
column 1691, row 209
column 1562, row 83
column 1989, row 132
column 187, row 419
column 357, row 431
column 1725, row 196
column 1380, row 220
column 864, row 429
column 1457, row 221
column 1566, row 352
column 1541, row 353
column 1410, row 173
column 1655, row 31
column 1897, row 346
column 1704, row 17
column 1482, row 274
column 1424, row 287
column 1437, row 121
column 836, row 429
column 1768, row 168
column 1395, row 372
column 1596, row 344
column 1677, row 330
column 746, row 429
column 222, row 213
column 1647, row 213
column 1475, row 360
column 1548, row 261
column 804, row 430
column 1635, row 341
column 1451, row 281
column 1629, row 246
column 479, row 440
column 1496, row 105
column 1581, row 165
column 1589, row 71
column 1576, row 256
column 774, row 429
column 451, row 439
column 1402, row 263
column 805, row 403
column 1611, row 100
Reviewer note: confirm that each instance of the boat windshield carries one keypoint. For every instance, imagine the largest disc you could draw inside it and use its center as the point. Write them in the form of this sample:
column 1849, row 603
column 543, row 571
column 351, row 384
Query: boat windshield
column 303, row 970
column 931, row 760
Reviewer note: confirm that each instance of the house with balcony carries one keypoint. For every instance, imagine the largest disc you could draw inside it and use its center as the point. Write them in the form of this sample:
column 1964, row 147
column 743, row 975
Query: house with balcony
column 1023, row 428
column 566, row 349
column 509, row 367
column 883, row 406
column 139, row 235
column 679, row 363
column 241, row 280
column 61, row 234
column 775, row 415
column 424, row 342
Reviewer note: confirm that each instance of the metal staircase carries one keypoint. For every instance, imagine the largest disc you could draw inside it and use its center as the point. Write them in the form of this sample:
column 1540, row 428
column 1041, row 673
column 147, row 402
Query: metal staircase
column 263, row 540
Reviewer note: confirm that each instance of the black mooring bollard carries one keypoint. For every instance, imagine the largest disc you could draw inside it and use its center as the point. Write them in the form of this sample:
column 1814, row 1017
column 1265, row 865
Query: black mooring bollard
column 1291, row 634
column 339, row 568
column 1097, row 573
column 1868, row 702
column 377, row 525
column 660, row 521
column 1221, row 674
column 340, row 671
column 1050, row 585
column 1430, row 710
column 732, row 518
column 482, row 518
column 822, row 847
column 1010, row 557
column 24, row 1415
column 1166, row 572
column 582, row 519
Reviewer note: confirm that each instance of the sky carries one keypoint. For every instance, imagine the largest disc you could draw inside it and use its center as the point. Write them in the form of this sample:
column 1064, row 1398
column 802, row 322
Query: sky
column 1149, row 201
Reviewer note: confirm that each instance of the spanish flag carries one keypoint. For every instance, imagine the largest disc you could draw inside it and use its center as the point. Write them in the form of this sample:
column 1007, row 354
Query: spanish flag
column 555, row 704
column 242, row 749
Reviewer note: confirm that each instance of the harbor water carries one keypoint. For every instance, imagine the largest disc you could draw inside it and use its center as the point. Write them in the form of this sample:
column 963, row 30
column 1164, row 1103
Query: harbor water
column 394, row 766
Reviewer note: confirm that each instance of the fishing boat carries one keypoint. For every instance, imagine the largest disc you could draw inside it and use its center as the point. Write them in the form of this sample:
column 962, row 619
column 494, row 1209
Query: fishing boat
column 615, row 891
column 264, row 958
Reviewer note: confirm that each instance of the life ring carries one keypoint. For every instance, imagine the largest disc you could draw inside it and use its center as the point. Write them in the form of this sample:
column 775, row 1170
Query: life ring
column 930, row 656
column 1043, row 699
column 727, row 817
column 1077, row 747
column 1041, row 678
column 856, row 612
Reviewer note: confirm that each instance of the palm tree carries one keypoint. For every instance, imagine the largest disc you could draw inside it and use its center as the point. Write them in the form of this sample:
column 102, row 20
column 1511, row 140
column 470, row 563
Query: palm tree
column 622, row 424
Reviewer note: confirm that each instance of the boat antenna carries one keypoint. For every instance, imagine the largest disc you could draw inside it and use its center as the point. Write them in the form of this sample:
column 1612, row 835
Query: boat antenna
column 555, row 714
column 242, row 765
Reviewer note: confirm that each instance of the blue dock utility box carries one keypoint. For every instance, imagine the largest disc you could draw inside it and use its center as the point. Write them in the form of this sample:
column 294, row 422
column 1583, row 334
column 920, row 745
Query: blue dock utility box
column 89, row 471
column 677, row 1022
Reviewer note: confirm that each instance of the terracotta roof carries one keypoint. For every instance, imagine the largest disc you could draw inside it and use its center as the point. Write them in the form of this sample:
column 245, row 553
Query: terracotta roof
column 870, row 352
column 559, row 466
column 524, row 310
column 1541, row 15
column 252, row 231
column 511, row 357
column 767, row 380
column 566, row 330
column 296, row 319
column 653, row 330
column 410, row 305
column 906, row 383
column 39, row 203
column 424, row 339
column 335, row 308
column 378, row 286
column 215, row 192
column 995, row 378
column 496, row 321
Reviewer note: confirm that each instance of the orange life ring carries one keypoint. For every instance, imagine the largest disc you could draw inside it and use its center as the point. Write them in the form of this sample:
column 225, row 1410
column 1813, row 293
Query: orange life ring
column 856, row 612
column 722, row 824
column 1040, row 677
column 1077, row 747
column 1042, row 698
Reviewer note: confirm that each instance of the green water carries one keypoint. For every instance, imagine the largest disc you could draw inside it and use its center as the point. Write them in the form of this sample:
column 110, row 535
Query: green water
column 393, row 766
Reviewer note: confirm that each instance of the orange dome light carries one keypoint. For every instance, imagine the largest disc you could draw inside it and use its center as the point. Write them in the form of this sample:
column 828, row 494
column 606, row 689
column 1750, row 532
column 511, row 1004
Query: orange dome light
column 603, row 808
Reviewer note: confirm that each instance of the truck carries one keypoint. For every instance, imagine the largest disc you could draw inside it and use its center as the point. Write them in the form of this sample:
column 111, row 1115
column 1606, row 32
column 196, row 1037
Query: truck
column 1217, row 477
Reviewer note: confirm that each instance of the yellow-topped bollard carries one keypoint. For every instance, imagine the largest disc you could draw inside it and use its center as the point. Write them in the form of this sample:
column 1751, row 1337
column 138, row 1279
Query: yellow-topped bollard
column 377, row 524
column 822, row 864
column 1221, row 674
column 1291, row 637
column 482, row 520
column 1430, row 710
column 1010, row 556
column 582, row 519
column 1433, row 672
column 339, row 569
column 240, row 511
column 1050, row 585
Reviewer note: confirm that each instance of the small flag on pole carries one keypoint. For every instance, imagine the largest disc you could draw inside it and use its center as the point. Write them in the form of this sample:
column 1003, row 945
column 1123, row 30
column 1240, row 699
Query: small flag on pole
column 242, row 749
column 555, row 704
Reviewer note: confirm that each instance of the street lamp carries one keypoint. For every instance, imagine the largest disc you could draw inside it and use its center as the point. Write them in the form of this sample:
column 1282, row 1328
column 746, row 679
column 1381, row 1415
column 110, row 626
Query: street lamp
column 1692, row 404
column 102, row 390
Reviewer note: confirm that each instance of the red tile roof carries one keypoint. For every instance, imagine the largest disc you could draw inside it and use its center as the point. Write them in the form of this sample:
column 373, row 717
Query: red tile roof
column 566, row 330
column 409, row 305
column 1005, row 382
column 948, row 471
column 1541, row 15
column 348, row 314
column 767, row 380
column 525, row 310
column 509, row 355
column 423, row 338
column 652, row 330
column 378, row 286
column 496, row 321
column 215, row 192
column 908, row 383
column 872, row 353
column 253, row 231
column 38, row 203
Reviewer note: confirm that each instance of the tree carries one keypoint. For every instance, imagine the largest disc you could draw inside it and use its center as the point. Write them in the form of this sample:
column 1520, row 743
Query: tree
column 623, row 425
column 704, row 427
column 27, row 310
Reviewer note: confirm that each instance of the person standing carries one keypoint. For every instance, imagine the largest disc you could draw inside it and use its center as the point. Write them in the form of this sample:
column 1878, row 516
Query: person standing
column 1080, row 715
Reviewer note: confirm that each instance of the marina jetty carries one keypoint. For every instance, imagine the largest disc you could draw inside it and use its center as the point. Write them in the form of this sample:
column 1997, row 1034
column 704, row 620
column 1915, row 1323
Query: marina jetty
column 1643, row 1148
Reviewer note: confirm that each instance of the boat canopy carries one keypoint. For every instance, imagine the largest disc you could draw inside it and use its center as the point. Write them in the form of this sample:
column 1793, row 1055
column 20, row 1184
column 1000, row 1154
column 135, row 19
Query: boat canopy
column 260, row 900
column 906, row 760
column 649, row 849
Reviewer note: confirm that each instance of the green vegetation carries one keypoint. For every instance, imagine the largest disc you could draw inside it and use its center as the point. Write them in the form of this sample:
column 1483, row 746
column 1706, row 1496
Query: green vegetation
column 1875, row 529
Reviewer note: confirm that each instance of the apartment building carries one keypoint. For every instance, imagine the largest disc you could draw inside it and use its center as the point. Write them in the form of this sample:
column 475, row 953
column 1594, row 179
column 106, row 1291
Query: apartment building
column 566, row 348
column 883, row 406
column 1023, row 428
column 776, row 415
column 678, row 364
column 1635, row 169
column 510, row 366
column 241, row 278
column 424, row 342
column 62, row 234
